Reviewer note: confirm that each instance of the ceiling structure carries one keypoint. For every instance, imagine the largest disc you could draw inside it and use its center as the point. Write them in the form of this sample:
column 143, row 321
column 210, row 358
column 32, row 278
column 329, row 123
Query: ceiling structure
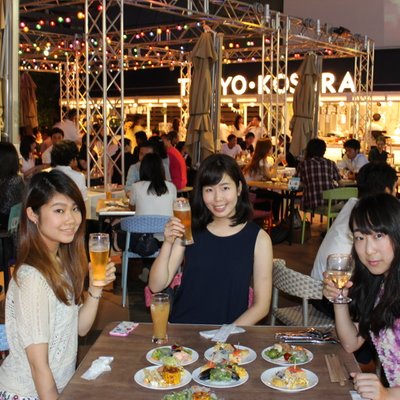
column 161, row 33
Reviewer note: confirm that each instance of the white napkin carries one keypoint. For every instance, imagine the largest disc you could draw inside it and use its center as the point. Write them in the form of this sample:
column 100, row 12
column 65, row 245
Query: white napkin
column 355, row 396
column 102, row 364
column 222, row 334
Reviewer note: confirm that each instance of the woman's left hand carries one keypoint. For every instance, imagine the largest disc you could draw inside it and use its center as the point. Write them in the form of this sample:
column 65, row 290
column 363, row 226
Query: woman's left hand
column 369, row 386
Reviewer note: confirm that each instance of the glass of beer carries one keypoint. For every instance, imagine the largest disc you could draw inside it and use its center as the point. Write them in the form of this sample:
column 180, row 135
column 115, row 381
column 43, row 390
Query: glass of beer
column 182, row 211
column 340, row 269
column 159, row 314
column 108, row 191
column 99, row 248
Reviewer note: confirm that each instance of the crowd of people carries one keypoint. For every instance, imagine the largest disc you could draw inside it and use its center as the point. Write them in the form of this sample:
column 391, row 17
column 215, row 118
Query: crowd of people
column 48, row 303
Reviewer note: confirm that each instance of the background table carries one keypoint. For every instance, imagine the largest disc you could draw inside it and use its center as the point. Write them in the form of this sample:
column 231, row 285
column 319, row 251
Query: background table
column 130, row 356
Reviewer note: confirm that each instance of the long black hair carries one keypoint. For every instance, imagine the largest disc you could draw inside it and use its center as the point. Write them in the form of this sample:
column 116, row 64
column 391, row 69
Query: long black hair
column 9, row 163
column 152, row 169
column 210, row 173
column 376, row 214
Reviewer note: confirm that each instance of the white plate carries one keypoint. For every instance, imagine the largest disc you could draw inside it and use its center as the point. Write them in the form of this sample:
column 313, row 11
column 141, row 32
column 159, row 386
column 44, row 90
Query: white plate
column 221, row 385
column 139, row 379
column 282, row 361
column 150, row 359
column 267, row 376
column 247, row 360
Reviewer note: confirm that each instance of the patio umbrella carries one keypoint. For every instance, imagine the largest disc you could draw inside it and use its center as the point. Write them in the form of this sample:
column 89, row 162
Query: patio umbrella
column 28, row 105
column 199, row 138
column 2, row 60
column 301, row 123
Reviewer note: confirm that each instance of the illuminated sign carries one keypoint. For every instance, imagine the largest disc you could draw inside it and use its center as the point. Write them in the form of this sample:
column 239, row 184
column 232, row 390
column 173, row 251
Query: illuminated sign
column 240, row 85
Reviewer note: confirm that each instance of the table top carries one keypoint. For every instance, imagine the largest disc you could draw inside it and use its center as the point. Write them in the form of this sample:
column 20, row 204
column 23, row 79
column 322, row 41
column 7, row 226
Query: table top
column 113, row 207
column 130, row 356
column 272, row 185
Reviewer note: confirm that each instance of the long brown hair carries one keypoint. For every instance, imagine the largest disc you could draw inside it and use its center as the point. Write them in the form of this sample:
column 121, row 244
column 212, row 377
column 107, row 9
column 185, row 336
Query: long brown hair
column 66, row 276
column 263, row 147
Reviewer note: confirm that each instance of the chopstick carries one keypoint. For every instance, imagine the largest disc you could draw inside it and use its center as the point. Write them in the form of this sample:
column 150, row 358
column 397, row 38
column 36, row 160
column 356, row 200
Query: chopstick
column 335, row 369
column 332, row 373
column 339, row 369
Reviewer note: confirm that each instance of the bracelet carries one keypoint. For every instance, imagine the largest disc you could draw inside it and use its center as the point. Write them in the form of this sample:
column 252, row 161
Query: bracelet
column 93, row 296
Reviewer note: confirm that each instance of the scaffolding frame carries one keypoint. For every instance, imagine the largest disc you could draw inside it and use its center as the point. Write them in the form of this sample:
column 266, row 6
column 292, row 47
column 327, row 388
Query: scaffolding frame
column 275, row 37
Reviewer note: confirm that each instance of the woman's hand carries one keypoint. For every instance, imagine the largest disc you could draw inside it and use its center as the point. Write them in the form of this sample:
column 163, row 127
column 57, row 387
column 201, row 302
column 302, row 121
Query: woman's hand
column 110, row 274
column 369, row 386
column 330, row 291
column 173, row 229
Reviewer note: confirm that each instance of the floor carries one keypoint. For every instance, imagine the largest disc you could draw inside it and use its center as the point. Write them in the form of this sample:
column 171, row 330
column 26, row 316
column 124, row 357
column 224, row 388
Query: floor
column 298, row 257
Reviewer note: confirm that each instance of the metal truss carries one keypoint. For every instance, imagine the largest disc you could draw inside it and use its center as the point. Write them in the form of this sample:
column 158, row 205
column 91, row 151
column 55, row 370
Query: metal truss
column 110, row 114
column 185, row 79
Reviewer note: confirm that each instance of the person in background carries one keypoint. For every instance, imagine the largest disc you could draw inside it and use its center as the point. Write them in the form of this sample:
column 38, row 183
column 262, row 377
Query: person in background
column 378, row 152
column 11, row 183
column 229, row 251
column 27, row 149
column 64, row 158
column 256, row 127
column 247, row 144
column 238, row 127
column 374, row 312
column 128, row 161
column 177, row 165
column 191, row 173
column 284, row 148
column 259, row 169
column 56, row 135
column 46, row 139
column 231, row 149
column 317, row 174
column 140, row 138
column 69, row 126
column 177, row 127
column 45, row 304
column 353, row 160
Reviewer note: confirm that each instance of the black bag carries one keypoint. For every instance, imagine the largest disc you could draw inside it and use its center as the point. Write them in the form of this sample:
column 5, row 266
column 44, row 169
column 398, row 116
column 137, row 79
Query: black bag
column 144, row 244
column 280, row 233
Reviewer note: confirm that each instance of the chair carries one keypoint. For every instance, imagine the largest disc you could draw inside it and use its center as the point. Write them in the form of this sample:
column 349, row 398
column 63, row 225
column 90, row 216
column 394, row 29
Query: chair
column 8, row 240
column 266, row 216
column 299, row 285
column 330, row 210
column 138, row 224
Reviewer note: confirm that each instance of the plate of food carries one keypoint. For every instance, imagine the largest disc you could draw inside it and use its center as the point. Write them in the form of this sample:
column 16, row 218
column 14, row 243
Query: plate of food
column 220, row 375
column 163, row 377
column 230, row 353
column 192, row 393
column 287, row 354
column 291, row 379
column 183, row 355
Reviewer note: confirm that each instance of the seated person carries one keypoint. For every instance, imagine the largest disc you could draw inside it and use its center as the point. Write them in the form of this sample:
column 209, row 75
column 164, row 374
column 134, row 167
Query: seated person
column 141, row 138
column 128, row 161
column 317, row 174
column 353, row 160
column 247, row 143
column 56, row 135
column 231, row 148
column 229, row 252
column 378, row 152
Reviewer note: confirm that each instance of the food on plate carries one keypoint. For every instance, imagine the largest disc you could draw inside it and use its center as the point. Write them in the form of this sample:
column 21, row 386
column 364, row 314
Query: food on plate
column 180, row 353
column 290, row 378
column 221, row 372
column 226, row 352
column 287, row 352
column 169, row 374
column 193, row 393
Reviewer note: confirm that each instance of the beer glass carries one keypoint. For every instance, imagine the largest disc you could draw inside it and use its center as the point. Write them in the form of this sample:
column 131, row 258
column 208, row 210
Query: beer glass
column 182, row 211
column 99, row 248
column 339, row 269
column 159, row 314
column 108, row 190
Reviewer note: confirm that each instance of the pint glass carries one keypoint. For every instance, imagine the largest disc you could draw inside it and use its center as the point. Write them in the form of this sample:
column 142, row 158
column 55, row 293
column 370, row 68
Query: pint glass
column 159, row 314
column 99, row 248
column 182, row 211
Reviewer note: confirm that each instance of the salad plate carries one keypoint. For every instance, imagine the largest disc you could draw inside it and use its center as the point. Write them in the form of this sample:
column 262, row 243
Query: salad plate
column 268, row 376
column 248, row 355
column 218, row 384
column 139, row 378
column 183, row 355
column 285, row 354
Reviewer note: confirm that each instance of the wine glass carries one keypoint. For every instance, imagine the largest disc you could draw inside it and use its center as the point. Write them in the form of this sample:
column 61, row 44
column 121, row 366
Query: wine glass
column 339, row 269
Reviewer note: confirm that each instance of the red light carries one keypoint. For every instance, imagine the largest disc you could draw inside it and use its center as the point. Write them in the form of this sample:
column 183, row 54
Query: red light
column 52, row 23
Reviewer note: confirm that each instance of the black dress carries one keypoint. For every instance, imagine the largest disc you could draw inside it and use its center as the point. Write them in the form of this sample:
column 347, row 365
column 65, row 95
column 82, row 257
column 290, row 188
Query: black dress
column 216, row 277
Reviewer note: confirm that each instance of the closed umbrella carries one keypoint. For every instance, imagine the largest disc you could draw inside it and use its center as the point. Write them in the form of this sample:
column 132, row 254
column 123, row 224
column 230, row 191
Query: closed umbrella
column 28, row 106
column 301, row 124
column 199, row 139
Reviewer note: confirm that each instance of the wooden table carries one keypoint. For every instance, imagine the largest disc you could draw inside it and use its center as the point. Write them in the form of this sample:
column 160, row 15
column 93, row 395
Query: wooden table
column 104, row 210
column 130, row 356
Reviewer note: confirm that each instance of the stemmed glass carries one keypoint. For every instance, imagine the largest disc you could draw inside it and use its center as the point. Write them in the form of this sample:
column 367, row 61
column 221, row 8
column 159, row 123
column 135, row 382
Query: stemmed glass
column 339, row 269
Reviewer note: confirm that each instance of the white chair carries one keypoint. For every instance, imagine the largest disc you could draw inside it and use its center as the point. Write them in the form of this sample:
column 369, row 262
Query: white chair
column 138, row 224
column 299, row 285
